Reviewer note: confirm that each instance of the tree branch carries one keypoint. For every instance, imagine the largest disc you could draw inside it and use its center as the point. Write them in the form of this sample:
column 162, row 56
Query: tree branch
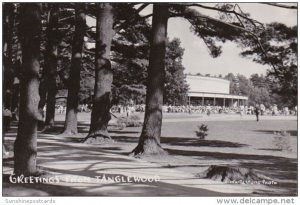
column 199, row 15
column 87, row 51
column 142, row 7
column 280, row 5
column 242, row 15
column 61, row 76
column 90, row 28
column 147, row 16
column 66, row 18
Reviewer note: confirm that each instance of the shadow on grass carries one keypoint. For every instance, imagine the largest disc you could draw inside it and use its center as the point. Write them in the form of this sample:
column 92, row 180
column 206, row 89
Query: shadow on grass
column 266, row 149
column 199, row 143
column 59, row 150
column 138, row 188
column 83, row 128
column 39, row 189
column 92, row 170
column 123, row 132
column 183, row 141
column 291, row 132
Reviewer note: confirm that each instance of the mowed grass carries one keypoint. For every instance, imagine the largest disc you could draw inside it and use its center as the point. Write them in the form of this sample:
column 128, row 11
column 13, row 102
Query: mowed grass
column 256, row 134
column 227, row 128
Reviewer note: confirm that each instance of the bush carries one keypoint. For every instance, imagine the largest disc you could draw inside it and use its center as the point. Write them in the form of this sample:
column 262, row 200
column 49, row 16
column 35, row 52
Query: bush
column 131, row 121
column 202, row 132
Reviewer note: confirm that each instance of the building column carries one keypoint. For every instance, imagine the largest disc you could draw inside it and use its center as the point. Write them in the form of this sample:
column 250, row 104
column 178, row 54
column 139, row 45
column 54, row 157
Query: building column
column 231, row 102
column 202, row 101
column 214, row 101
column 189, row 100
column 238, row 102
column 224, row 102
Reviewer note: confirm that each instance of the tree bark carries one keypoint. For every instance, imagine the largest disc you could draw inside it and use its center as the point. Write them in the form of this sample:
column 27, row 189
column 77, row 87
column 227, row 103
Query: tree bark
column 16, row 88
column 149, row 142
column 8, row 25
column 51, row 66
column 25, row 146
column 74, row 80
column 100, row 115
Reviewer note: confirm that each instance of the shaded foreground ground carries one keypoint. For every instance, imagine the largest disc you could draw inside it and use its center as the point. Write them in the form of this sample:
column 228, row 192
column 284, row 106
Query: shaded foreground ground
column 269, row 146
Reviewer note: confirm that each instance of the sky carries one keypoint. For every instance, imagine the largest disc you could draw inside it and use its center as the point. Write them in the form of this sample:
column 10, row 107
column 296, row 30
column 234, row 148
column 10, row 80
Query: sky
column 196, row 57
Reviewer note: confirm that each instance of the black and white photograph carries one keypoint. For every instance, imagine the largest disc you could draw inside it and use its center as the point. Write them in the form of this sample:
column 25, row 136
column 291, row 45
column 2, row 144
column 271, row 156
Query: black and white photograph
column 150, row 99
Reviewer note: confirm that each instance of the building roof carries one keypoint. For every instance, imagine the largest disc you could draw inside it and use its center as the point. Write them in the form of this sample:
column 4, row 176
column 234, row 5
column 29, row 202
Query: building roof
column 201, row 84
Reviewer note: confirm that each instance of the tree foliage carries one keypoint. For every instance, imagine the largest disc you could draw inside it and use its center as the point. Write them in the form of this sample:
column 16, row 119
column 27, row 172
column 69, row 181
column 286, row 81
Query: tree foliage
column 280, row 52
column 176, row 87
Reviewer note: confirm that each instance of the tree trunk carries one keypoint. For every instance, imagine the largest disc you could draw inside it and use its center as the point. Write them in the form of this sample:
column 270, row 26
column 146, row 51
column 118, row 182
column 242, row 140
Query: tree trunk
column 149, row 142
column 74, row 80
column 25, row 147
column 102, row 91
column 51, row 65
column 43, row 99
column 8, row 20
column 16, row 88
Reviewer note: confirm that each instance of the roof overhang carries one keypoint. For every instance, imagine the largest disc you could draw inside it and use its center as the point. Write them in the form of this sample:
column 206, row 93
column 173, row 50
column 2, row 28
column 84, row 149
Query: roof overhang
column 216, row 95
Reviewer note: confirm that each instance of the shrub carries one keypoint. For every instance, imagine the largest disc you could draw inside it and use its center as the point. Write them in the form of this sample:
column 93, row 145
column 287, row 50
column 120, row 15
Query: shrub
column 131, row 121
column 202, row 131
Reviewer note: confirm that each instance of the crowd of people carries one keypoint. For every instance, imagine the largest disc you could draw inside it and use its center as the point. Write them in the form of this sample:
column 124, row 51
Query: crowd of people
column 128, row 110
column 61, row 109
column 209, row 109
column 192, row 109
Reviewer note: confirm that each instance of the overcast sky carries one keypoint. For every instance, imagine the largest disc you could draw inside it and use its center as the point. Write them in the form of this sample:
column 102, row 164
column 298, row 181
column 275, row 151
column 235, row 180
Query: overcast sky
column 196, row 57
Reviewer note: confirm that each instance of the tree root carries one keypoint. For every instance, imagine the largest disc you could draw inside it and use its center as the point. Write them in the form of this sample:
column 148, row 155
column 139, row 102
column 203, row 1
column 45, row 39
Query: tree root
column 69, row 132
column 48, row 129
column 149, row 148
column 99, row 137
column 231, row 173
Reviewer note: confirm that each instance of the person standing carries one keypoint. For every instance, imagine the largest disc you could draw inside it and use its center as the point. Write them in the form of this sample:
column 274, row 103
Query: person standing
column 208, row 110
column 256, row 111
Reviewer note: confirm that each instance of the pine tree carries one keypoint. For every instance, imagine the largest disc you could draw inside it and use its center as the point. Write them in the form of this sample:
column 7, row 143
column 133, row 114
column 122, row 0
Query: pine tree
column 25, row 147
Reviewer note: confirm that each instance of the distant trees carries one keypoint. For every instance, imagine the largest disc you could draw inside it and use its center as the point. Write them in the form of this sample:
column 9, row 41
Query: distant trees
column 233, row 86
column 130, row 56
column 130, row 75
column 176, row 87
column 257, row 88
column 280, row 52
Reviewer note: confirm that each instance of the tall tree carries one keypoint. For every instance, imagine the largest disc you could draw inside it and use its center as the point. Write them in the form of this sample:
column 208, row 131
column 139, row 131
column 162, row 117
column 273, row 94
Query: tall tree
column 50, row 64
column 8, row 26
column 233, row 25
column 100, row 115
column 74, row 79
column 258, row 80
column 234, row 84
column 176, row 87
column 25, row 146
column 149, row 142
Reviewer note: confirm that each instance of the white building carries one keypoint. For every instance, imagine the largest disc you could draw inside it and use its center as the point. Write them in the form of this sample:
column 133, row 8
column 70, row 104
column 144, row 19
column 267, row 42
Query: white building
column 213, row 91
